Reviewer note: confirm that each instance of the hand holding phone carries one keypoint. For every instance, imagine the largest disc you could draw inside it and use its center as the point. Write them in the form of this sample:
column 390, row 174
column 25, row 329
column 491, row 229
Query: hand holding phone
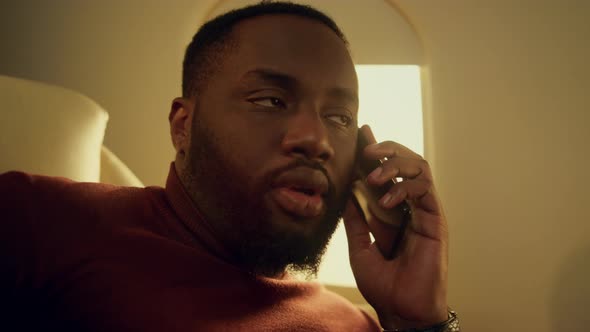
column 388, row 226
column 410, row 291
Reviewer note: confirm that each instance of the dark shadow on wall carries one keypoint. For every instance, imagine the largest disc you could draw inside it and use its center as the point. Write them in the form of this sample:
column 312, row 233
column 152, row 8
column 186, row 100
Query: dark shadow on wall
column 569, row 301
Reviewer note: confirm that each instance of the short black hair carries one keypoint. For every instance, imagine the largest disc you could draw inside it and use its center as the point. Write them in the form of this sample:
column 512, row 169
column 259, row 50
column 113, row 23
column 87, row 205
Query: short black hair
column 213, row 40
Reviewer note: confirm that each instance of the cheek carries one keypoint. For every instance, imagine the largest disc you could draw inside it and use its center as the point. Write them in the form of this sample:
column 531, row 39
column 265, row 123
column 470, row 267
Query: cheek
column 250, row 152
column 255, row 138
column 343, row 164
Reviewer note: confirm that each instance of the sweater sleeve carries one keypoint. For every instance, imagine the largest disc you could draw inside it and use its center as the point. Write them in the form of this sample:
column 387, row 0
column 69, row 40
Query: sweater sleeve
column 16, row 242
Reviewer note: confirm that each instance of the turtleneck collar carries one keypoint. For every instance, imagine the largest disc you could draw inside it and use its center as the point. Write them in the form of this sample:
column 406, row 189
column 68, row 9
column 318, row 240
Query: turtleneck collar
column 201, row 231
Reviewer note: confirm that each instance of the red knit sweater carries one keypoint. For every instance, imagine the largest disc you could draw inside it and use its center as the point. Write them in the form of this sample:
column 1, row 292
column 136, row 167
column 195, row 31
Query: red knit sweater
column 96, row 257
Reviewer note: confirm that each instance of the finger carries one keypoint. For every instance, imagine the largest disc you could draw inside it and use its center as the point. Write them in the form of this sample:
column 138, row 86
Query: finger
column 368, row 133
column 389, row 149
column 417, row 191
column 397, row 161
column 429, row 225
column 396, row 168
column 357, row 231
column 405, row 190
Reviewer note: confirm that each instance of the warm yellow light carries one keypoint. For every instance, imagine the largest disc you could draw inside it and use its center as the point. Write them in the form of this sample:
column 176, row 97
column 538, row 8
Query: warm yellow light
column 391, row 103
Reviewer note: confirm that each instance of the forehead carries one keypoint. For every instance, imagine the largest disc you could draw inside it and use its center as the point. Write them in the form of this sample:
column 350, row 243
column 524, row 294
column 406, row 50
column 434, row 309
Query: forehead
column 301, row 47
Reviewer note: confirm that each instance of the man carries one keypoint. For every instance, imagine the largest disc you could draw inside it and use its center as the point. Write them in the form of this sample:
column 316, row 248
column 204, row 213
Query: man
column 265, row 135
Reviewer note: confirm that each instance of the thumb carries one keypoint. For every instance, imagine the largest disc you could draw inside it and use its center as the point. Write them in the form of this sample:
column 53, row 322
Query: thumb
column 357, row 231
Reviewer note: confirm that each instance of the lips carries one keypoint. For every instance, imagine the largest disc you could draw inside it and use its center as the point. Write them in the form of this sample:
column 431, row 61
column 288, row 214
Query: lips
column 300, row 191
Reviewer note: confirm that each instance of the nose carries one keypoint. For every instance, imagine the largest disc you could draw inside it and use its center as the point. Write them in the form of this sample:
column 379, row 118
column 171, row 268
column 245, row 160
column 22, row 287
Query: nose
column 306, row 136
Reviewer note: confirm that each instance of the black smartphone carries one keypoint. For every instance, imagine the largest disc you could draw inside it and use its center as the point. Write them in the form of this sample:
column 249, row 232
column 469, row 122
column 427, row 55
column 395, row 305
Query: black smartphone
column 388, row 226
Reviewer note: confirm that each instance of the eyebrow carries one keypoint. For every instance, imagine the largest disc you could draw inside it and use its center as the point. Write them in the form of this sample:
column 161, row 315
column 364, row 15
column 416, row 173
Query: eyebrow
column 271, row 76
column 344, row 94
column 288, row 82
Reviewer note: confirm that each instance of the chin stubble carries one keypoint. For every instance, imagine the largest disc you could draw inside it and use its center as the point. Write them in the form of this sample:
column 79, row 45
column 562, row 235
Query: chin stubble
column 242, row 222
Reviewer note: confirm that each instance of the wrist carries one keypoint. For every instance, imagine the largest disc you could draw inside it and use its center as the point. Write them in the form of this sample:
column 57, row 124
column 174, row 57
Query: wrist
column 392, row 322
column 449, row 323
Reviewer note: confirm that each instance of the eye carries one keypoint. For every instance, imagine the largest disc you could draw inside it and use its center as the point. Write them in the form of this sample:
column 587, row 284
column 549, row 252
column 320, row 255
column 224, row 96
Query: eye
column 268, row 102
column 340, row 119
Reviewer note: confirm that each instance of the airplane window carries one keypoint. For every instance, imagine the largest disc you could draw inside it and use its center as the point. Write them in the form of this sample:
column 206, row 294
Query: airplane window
column 391, row 103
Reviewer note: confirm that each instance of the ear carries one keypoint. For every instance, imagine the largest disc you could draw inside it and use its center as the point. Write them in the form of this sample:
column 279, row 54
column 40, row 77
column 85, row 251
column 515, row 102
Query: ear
column 180, row 119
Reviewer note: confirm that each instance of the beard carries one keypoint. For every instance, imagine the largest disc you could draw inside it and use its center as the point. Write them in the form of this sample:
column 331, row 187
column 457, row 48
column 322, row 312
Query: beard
column 233, row 204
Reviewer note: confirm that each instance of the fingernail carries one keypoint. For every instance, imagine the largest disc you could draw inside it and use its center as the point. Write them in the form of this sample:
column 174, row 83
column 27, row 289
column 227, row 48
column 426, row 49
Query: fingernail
column 373, row 146
column 388, row 198
column 376, row 173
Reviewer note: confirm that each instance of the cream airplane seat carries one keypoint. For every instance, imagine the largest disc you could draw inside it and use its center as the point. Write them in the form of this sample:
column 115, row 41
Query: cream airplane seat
column 49, row 130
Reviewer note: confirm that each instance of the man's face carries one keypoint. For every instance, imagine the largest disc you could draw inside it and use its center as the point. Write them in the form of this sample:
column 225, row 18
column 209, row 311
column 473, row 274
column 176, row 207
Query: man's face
column 273, row 140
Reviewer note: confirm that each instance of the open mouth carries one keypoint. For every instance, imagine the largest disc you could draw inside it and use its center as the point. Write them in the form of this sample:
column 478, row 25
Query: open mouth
column 301, row 192
column 302, row 202
column 306, row 191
